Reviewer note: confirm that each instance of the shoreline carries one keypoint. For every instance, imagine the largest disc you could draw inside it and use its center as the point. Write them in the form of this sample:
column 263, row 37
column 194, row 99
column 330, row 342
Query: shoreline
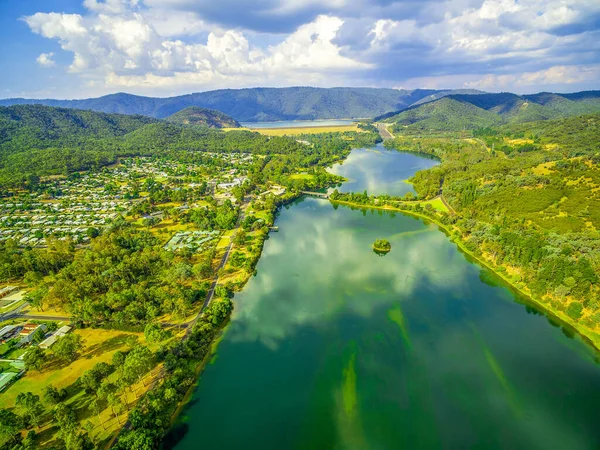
column 564, row 320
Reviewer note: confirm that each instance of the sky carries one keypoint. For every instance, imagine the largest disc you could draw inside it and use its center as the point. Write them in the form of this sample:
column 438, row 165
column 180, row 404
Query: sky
column 87, row 48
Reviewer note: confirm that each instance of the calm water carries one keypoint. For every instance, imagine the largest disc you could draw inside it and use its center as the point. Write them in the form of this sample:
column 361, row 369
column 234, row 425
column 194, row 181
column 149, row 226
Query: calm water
column 333, row 347
column 297, row 123
column 380, row 171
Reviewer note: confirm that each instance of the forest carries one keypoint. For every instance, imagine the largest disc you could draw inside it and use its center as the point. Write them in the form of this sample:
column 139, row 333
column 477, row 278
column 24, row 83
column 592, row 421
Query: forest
column 527, row 198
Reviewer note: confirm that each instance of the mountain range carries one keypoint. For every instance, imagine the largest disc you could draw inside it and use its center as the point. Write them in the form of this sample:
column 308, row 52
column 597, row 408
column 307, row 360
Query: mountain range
column 261, row 104
column 455, row 112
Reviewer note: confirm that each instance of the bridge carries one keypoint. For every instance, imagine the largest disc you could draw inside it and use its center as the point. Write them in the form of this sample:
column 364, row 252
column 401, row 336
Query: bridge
column 315, row 194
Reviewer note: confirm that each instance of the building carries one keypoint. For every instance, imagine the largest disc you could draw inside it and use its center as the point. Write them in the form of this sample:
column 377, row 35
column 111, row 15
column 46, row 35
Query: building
column 7, row 290
column 29, row 330
column 51, row 340
column 8, row 332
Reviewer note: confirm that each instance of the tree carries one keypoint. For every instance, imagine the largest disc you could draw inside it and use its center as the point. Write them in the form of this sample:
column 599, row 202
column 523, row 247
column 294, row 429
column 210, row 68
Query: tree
column 33, row 278
column 154, row 333
column 38, row 336
column 10, row 425
column 137, row 363
column 115, row 404
column 53, row 396
column 138, row 439
column 36, row 297
column 92, row 379
column 118, row 359
column 30, row 407
column 240, row 237
column 35, row 358
column 68, row 347
column 30, row 440
column 66, row 418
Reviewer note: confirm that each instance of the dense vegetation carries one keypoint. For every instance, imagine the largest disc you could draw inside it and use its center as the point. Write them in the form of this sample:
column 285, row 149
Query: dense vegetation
column 527, row 198
column 83, row 140
column 382, row 245
column 152, row 416
column 194, row 115
column 469, row 112
column 260, row 104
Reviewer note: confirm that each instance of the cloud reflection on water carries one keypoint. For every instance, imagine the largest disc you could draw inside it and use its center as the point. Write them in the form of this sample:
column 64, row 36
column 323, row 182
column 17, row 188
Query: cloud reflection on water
column 380, row 171
column 321, row 264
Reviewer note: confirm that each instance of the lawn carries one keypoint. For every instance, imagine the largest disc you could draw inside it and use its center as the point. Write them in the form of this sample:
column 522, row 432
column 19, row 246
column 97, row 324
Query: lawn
column 436, row 203
column 302, row 176
column 294, row 131
column 99, row 346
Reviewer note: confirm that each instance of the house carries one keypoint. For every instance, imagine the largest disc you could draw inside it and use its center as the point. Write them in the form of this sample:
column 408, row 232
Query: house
column 48, row 342
column 29, row 330
column 65, row 329
column 51, row 340
column 8, row 332
column 7, row 290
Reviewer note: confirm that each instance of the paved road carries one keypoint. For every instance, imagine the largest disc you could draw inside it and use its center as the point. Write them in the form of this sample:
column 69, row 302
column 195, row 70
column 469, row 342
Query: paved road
column 42, row 317
column 383, row 131
column 450, row 208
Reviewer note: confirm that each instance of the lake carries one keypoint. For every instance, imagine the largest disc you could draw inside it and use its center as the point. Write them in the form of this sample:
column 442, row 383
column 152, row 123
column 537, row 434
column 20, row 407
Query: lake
column 332, row 346
column 380, row 171
column 297, row 123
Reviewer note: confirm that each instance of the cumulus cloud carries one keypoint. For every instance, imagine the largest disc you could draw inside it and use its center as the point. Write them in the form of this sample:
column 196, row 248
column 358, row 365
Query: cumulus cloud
column 183, row 44
column 554, row 76
column 45, row 59
column 127, row 50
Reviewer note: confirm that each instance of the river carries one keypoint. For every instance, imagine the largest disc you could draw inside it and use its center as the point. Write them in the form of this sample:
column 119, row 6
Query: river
column 332, row 346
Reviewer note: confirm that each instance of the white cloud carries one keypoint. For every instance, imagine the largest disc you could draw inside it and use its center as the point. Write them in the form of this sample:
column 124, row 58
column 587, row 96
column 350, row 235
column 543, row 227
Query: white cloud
column 45, row 60
column 553, row 76
column 125, row 50
column 176, row 44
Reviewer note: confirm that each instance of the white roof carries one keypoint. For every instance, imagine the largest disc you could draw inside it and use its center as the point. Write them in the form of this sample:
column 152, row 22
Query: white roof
column 63, row 330
column 48, row 341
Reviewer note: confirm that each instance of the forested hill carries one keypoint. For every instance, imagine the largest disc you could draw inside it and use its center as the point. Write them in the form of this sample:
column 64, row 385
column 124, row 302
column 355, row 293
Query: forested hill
column 459, row 112
column 38, row 141
column 26, row 126
column 194, row 115
column 527, row 200
column 261, row 104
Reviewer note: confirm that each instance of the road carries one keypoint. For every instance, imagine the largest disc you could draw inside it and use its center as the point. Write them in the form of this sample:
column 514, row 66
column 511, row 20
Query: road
column 383, row 131
column 441, row 197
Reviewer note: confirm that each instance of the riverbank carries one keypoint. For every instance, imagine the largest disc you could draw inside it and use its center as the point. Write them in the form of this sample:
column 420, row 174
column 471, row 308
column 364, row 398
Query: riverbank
column 590, row 337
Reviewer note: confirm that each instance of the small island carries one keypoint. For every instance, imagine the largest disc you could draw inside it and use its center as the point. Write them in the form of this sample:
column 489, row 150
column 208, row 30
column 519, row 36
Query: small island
column 382, row 246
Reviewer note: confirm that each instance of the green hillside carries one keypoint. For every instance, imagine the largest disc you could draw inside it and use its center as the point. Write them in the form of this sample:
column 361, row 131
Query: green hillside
column 195, row 115
column 24, row 126
column 459, row 112
column 446, row 114
column 527, row 201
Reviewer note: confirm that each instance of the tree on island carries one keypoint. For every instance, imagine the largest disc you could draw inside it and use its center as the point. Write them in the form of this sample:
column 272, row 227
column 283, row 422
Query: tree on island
column 382, row 246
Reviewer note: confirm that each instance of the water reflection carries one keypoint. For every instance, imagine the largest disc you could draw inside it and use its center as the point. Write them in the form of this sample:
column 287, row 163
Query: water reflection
column 380, row 171
column 331, row 346
column 337, row 269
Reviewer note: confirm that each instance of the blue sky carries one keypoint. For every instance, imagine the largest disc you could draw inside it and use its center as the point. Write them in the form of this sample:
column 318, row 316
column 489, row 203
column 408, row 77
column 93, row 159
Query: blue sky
column 86, row 48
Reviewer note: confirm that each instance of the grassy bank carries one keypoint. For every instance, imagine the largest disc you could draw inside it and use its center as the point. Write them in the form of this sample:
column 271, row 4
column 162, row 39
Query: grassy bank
column 588, row 336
